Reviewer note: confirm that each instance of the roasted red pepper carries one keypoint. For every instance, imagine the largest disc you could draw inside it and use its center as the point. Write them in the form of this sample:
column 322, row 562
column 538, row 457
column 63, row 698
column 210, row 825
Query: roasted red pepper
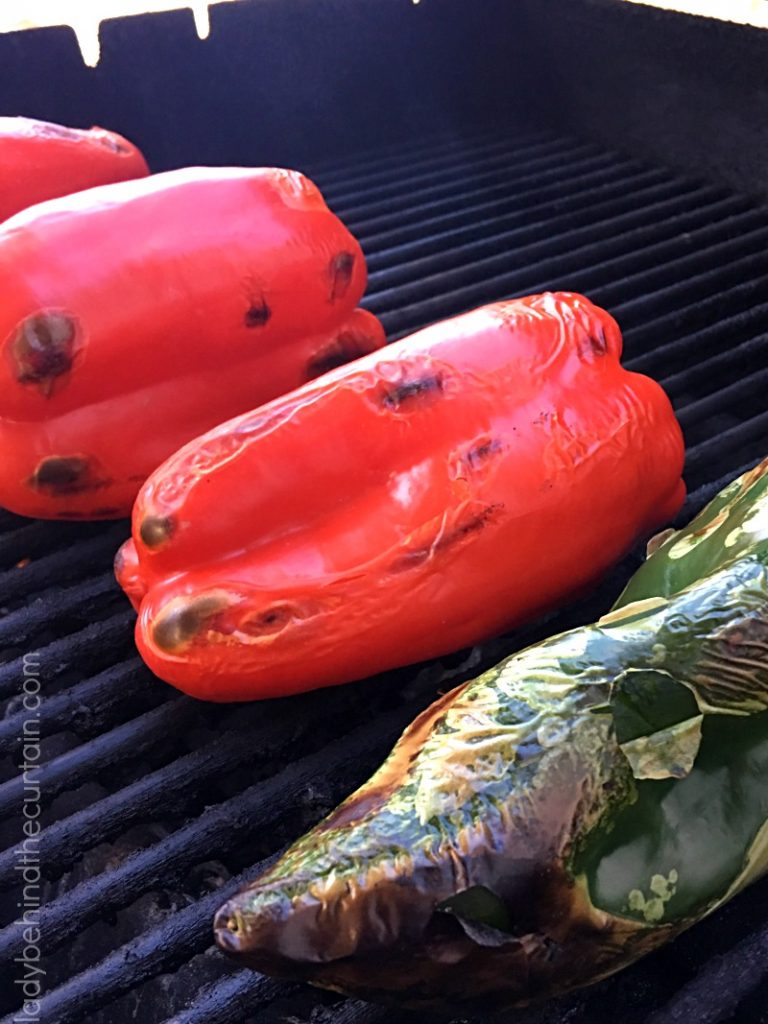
column 433, row 494
column 39, row 161
column 135, row 316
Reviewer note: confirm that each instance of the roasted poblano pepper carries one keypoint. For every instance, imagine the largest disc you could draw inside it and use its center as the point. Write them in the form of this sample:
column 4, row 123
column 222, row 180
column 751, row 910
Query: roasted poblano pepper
column 561, row 815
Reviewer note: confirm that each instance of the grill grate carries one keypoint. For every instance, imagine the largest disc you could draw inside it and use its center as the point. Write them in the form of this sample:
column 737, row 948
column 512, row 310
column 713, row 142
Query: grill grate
column 157, row 807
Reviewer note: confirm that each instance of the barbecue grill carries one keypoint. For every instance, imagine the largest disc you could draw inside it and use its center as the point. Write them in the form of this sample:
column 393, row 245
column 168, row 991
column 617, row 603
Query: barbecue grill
column 478, row 149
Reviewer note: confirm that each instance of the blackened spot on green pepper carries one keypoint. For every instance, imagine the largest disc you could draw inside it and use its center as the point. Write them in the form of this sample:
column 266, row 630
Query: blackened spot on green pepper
column 43, row 349
column 59, row 475
column 372, row 797
column 480, row 905
column 155, row 530
column 258, row 314
column 408, row 390
column 341, row 268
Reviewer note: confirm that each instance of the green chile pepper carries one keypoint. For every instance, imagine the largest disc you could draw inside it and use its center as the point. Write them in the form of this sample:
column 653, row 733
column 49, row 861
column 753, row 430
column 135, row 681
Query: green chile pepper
column 558, row 817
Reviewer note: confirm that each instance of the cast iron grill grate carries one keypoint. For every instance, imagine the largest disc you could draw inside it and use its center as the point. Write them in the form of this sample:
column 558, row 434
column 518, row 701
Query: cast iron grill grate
column 155, row 807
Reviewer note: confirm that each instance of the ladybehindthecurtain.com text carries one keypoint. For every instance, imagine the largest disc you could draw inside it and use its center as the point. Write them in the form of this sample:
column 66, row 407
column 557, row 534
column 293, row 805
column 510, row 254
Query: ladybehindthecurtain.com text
column 29, row 974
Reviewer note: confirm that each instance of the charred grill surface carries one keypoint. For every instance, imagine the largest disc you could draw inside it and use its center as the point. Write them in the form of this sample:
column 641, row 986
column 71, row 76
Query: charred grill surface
column 156, row 808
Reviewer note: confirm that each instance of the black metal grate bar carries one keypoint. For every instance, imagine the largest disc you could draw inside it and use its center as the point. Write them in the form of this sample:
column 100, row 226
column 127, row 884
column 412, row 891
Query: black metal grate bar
column 431, row 192
column 217, row 830
column 95, row 646
column 90, row 706
column 63, row 565
column 86, row 761
column 635, row 253
column 187, row 933
column 503, row 161
column 375, row 165
column 82, row 603
column 447, row 224
column 231, row 998
column 720, row 989
column 598, row 203
column 629, row 232
column 533, row 187
column 534, row 208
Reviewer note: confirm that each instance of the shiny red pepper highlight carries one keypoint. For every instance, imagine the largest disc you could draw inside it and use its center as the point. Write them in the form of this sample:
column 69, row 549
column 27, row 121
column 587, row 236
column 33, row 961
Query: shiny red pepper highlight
column 428, row 496
column 40, row 160
column 135, row 316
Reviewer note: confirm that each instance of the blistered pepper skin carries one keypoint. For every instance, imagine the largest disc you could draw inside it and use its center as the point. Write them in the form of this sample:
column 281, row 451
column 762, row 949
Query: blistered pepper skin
column 426, row 497
column 561, row 815
column 40, row 160
column 135, row 316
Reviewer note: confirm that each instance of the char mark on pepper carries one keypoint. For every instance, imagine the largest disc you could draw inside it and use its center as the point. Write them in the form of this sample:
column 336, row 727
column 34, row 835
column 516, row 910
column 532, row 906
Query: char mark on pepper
column 599, row 342
column 373, row 798
column 595, row 343
column 155, row 530
column 482, row 451
column 59, row 475
column 407, row 391
column 269, row 620
column 341, row 267
column 181, row 622
column 258, row 314
column 43, row 349
column 442, row 541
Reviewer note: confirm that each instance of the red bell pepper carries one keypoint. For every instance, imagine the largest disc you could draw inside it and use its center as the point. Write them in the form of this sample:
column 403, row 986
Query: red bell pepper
column 135, row 316
column 432, row 494
column 39, row 161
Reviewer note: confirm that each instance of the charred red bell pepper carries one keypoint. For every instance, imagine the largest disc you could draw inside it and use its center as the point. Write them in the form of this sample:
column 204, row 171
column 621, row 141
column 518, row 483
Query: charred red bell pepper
column 135, row 316
column 432, row 494
column 39, row 161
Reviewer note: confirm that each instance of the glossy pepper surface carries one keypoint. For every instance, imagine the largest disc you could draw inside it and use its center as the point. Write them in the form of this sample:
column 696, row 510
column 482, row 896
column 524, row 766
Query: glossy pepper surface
column 430, row 495
column 566, row 812
column 135, row 316
column 40, row 160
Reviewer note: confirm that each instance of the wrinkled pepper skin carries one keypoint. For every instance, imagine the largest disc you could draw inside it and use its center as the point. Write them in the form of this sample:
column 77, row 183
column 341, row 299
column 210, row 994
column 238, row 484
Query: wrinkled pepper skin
column 514, row 846
column 427, row 497
column 40, row 160
column 135, row 316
